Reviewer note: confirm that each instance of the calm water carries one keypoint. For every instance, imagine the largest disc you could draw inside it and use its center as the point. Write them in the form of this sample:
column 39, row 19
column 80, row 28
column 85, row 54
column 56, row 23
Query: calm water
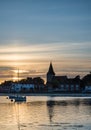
column 46, row 113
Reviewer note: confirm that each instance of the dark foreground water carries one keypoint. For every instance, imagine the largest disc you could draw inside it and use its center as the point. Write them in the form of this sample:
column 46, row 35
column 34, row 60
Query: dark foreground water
column 46, row 113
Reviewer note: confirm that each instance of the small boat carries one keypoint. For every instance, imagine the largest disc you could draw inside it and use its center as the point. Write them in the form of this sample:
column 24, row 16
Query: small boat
column 19, row 98
column 12, row 96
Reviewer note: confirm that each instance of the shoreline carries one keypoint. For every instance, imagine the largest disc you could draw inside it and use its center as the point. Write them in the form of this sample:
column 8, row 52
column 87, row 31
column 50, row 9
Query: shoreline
column 50, row 94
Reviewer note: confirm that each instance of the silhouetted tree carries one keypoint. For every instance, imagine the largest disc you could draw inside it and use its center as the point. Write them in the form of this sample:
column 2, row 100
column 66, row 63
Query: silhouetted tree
column 38, row 80
column 29, row 80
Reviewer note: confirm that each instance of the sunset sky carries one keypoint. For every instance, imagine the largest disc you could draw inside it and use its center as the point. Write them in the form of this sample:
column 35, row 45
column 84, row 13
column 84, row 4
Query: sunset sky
column 35, row 32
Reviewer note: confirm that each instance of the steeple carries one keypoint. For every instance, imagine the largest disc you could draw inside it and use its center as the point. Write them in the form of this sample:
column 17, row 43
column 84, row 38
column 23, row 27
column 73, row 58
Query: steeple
column 51, row 71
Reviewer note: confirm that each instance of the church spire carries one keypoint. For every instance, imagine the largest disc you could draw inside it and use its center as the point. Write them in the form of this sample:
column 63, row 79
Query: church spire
column 51, row 71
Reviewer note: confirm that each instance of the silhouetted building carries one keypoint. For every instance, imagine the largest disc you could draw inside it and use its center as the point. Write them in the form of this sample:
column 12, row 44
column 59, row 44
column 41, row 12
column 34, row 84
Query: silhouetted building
column 61, row 83
column 50, row 73
column 86, row 81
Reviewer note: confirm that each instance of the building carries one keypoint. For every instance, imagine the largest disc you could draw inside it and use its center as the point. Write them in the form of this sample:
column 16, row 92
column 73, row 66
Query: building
column 17, row 87
column 50, row 73
column 86, row 80
column 61, row 83
column 28, row 85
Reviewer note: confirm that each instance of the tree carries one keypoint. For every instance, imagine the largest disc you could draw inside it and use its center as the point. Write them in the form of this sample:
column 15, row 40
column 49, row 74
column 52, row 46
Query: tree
column 38, row 80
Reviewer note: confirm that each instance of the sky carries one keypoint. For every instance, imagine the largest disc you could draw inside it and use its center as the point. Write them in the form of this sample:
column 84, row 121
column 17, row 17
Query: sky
column 34, row 33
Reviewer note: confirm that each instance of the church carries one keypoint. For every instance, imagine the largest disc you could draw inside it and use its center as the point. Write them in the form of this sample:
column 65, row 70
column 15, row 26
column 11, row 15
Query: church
column 61, row 83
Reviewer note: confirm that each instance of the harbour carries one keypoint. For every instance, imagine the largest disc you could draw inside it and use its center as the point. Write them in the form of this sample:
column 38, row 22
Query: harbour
column 46, row 113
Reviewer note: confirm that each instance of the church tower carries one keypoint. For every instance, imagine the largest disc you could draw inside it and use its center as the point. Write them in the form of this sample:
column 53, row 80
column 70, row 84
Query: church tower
column 50, row 73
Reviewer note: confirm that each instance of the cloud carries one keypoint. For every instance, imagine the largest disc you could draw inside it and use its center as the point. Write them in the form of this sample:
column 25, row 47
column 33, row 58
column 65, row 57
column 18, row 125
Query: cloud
column 6, row 68
column 46, row 51
column 68, row 58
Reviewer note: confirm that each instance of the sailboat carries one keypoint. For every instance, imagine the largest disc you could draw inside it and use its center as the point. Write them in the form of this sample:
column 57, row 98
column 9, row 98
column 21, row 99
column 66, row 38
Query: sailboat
column 20, row 98
column 17, row 97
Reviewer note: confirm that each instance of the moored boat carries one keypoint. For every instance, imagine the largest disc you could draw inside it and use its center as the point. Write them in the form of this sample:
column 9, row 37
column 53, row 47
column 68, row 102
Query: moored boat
column 17, row 98
column 20, row 98
column 12, row 96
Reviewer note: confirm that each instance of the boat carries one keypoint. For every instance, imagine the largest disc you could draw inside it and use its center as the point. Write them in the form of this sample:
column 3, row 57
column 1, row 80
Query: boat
column 12, row 96
column 19, row 98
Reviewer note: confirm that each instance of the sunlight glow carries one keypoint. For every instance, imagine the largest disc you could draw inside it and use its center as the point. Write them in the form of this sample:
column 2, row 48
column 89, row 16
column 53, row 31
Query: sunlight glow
column 16, row 78
column 33, row 60
column 19, row 71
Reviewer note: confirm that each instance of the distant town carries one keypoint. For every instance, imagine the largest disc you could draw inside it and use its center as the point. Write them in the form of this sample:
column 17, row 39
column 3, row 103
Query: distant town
column 54, row 84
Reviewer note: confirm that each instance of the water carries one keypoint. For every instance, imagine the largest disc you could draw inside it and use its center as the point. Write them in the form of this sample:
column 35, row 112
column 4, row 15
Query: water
column 46, row 113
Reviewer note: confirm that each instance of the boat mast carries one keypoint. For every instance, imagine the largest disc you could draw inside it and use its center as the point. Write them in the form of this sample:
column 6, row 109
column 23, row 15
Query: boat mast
column 18, row 74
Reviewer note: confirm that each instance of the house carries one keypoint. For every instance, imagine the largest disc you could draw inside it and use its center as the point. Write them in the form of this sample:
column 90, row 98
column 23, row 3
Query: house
column 86, row 80
column 17, row 87
column 6, row 86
